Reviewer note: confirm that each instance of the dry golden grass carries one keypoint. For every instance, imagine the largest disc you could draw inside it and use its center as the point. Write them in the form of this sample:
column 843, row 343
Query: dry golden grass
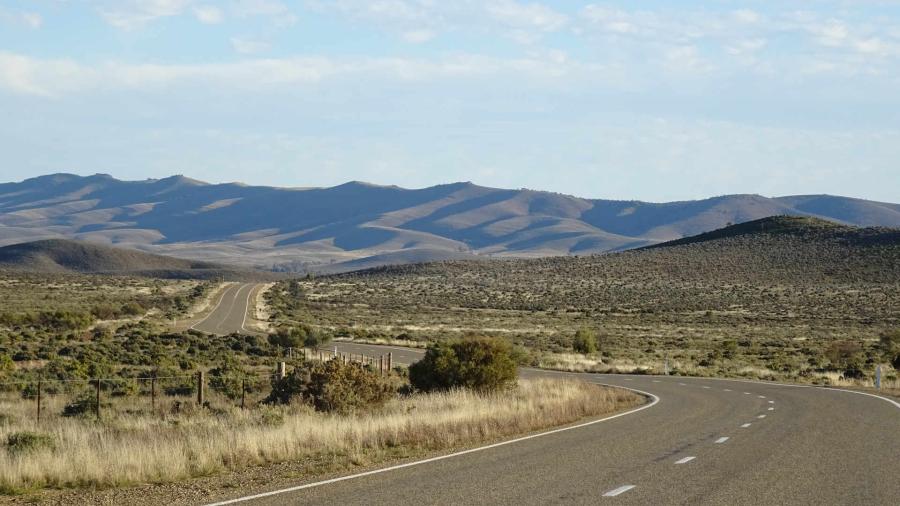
column 139, row 449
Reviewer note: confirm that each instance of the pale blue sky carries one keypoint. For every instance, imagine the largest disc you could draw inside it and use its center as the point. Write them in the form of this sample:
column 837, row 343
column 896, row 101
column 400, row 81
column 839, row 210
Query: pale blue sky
column 618, row 99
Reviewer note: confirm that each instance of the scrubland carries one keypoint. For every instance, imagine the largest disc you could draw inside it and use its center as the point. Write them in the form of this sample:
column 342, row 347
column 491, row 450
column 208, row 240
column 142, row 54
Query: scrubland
column 138, row 448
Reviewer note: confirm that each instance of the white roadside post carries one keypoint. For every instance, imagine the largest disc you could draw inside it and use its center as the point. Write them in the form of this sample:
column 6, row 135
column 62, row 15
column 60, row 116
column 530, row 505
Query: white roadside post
column 667, row 364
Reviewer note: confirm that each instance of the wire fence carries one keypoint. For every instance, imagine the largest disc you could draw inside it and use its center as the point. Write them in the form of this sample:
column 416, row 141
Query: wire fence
column 43, row 399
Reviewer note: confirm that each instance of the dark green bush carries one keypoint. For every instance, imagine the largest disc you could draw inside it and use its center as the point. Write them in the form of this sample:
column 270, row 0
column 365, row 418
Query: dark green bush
column 27, row 441
column 478, row 363
column 332, row 386
column 299, row 336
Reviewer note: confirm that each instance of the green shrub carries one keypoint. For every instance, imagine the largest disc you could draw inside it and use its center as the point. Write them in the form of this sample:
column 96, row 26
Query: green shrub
column 299, row 336
column 477, row 363
column 18, row 443
column 332, row 386
column 228, row 379
column 84, row 405
column 585, row 341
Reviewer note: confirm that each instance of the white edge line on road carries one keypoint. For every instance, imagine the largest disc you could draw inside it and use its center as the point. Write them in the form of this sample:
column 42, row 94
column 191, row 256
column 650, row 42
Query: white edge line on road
column 247, row 309
column 618, row 491
column 653, row 402
column 213, row 310
column 685, row 460
column 721, row 440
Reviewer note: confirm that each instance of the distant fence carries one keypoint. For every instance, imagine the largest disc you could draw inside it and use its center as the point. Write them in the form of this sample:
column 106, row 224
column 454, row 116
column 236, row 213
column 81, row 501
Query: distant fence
column 42, row 399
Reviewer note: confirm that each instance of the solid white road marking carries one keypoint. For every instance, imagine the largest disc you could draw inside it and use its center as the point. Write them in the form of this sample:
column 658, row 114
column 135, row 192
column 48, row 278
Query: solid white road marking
column 721, row 440
column 745, row 425
column 685, row 460
column 653, row 402
column 761, row 417
column 618, row 491
column 247, row 309
column 221, row 299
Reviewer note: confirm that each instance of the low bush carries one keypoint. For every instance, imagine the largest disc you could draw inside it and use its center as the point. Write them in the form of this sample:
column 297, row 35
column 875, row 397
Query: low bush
column 18, row 443
column 332, row 386
column 477, row 363
column 585, row 341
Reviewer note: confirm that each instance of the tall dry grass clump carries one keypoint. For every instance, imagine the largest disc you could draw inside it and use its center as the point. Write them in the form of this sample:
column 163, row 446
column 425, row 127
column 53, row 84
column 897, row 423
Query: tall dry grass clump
column 138, row 449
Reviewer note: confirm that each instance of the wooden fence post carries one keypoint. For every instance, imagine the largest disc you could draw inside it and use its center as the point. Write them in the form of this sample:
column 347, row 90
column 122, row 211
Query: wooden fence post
column 39, row 401
column 98, row 398
column 243, row 391
column 201, row 382
column 153, row 394
column 390, row 364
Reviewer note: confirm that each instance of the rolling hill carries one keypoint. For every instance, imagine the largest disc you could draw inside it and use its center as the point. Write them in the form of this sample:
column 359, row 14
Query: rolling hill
column 60, row 255
column 354, row 224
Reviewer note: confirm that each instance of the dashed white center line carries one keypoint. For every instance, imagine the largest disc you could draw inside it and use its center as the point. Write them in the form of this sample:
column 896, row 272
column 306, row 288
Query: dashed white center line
column 685, row 460
column 746, row 393
column 745, row 425
column 762, row 396
column 721, row 440
column 628, row 379
column 771, row 409
column 682, row 384
column 771, row 402
column 618, row 491
column 761, row 417
column 727, row 390
column 707, row 387
column 656, row 381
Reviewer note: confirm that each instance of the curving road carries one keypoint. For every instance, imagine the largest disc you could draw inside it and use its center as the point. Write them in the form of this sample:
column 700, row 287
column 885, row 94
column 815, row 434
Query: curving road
column 705, row 441
column 231, row 311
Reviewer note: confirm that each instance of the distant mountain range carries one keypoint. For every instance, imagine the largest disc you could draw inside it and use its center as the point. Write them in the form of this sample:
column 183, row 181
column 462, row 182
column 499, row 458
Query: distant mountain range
column 358, row 225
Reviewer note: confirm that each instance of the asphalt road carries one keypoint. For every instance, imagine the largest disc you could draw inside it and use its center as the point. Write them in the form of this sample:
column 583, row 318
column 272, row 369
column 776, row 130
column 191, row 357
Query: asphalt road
column 715, row 442
column 230, row 312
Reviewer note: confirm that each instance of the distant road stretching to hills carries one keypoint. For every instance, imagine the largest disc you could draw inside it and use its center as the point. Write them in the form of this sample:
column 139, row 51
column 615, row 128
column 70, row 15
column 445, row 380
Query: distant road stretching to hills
column 358, row 225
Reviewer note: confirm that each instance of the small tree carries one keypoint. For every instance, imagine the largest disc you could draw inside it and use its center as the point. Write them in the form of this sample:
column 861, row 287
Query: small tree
column 482, row 364
column 585, row 341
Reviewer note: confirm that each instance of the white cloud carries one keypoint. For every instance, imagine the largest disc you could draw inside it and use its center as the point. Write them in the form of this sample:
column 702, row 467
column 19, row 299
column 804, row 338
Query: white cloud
column 249, row 46
column 209, row 14
column 276, row 10
column 747, row 16
column 31, row 20
column 54, row 78
column 134, row 14
column 418, row 36
column 522, row 15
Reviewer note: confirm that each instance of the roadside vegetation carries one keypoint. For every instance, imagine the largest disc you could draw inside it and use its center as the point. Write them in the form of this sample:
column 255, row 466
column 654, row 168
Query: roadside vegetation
column 329, row 415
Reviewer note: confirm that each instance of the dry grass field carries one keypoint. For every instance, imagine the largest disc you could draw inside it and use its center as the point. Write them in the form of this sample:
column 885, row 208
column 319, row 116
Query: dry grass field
column 799, row 300
column 139, row 448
